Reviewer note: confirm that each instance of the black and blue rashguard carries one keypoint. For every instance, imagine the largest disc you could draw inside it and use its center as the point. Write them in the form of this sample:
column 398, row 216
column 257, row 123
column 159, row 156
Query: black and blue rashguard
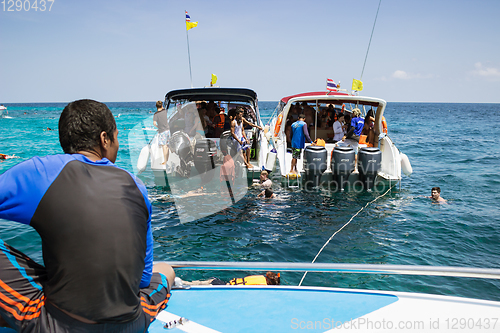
column 94, row 220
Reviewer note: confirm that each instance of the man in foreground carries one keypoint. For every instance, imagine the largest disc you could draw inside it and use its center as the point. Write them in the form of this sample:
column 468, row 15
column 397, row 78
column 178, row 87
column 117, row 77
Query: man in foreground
column 94, row 220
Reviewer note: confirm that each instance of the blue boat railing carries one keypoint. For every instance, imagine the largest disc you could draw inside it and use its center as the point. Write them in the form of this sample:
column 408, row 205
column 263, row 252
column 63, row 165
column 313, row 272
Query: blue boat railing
column 470, row 272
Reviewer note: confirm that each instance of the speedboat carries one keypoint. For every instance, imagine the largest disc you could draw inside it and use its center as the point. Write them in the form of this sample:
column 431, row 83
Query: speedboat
column 286, row 308
column 339, row 165
column 197, row 154
column 183, row 146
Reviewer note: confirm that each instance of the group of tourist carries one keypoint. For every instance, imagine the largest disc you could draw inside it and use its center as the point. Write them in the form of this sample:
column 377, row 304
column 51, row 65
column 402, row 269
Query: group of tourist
column 204, row 121
column 345, row 126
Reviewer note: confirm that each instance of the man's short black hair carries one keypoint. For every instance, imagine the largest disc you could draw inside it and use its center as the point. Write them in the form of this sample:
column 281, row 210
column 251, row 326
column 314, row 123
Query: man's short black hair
column 81, row 124
column 302, row 116
column 437, row 188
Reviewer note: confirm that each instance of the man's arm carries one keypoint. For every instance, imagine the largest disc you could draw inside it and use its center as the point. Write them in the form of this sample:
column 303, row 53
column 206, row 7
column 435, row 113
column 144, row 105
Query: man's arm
column 250, row 124
column 148, row 260
column 306, row 133
column 155, row 120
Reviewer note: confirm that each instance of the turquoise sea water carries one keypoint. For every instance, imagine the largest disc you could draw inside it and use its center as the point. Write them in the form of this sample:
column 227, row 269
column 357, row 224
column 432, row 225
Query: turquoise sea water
column 449, row 145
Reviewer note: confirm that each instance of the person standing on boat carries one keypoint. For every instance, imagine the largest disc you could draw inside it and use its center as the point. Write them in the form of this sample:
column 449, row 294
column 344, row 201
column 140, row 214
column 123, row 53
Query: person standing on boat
column 239, row 136
column 339, row 129
column 94, row 220
column 160, row 121
column 246, row 124
column 299, row 135
column 357, row 124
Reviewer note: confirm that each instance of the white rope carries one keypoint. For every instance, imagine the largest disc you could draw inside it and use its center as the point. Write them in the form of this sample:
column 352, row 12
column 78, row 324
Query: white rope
column 336, row 232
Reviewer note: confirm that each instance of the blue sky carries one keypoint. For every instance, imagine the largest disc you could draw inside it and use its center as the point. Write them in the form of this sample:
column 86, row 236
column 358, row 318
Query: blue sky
column 421, row 51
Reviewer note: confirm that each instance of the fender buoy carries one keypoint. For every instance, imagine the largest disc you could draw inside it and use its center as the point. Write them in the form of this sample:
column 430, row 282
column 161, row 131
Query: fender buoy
column 384, row 125
column 278, row 125
column 343, row 108
column 405, row 164
column 142, row 161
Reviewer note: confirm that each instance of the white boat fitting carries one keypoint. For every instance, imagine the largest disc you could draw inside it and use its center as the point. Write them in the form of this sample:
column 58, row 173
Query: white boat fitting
column 380, row 163
column 273, row 308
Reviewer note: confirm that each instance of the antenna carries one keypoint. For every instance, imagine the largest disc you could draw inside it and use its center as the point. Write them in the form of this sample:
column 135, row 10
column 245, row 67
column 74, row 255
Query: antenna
column 370, row 40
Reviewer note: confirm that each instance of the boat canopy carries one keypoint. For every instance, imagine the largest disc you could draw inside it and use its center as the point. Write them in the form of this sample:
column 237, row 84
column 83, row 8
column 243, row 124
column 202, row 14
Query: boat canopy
column 213, row 94
column 315, row 94
column 330, row 97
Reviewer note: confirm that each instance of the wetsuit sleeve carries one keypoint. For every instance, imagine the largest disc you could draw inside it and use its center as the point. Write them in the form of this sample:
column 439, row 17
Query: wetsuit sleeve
column 19, row 197
column 306, row 133
column 148, row 260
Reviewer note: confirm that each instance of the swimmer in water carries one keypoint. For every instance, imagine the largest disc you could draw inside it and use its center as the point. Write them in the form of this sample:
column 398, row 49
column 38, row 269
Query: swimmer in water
column 436, row 195
column 267, row 194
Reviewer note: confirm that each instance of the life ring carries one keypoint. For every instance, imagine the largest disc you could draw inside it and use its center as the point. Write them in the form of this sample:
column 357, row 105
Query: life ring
column 278, row 125
column 384, row 125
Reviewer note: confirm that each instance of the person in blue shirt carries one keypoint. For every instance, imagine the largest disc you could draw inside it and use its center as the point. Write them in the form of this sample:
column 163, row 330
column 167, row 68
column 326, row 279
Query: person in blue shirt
column 94, row 220
column 299, row 135
column 357, row 124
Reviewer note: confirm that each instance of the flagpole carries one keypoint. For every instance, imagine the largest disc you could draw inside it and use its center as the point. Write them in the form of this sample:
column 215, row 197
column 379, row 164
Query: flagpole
column 189, row 56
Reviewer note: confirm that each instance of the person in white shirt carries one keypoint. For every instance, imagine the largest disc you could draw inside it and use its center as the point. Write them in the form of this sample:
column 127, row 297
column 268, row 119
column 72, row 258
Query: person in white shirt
column 339, row 129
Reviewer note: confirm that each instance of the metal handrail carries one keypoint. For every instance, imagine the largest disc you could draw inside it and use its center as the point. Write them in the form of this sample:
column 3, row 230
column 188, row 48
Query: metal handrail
column 470, row 272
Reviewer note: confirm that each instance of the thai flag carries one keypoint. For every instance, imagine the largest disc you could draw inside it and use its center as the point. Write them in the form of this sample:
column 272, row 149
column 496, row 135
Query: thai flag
column 330, row 85
column 188, row 18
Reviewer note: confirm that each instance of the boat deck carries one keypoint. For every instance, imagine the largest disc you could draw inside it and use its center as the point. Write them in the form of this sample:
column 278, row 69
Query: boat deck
column 315, row 309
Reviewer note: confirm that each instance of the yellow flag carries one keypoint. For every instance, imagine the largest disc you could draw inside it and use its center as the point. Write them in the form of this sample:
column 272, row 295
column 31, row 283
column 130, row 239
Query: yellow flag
column 357, row 85
column 191, row 25
column 214, row 79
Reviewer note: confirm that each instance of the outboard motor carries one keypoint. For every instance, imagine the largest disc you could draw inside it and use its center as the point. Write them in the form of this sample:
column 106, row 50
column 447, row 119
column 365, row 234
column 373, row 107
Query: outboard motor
column 180, row 144
column 342, row 164
column 226, row 144
column 315, row 159
column 369, row 162
column 205, row 153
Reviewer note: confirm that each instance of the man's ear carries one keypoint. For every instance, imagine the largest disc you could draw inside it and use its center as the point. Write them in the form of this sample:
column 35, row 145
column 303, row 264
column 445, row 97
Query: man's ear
column 104, row 140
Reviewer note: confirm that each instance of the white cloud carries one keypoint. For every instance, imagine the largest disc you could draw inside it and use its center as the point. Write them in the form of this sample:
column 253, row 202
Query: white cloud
column 485, row 71
column 402, row 75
